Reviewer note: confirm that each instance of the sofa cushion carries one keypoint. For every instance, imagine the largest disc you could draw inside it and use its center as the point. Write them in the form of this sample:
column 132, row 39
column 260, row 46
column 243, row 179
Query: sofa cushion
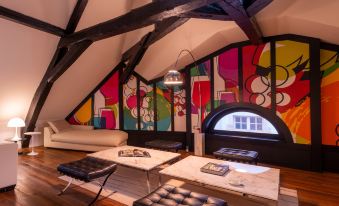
column 100, row 137
column 59, row 126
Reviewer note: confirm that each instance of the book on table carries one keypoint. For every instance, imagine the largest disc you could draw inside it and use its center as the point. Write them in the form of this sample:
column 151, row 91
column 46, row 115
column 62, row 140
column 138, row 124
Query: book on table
column 215, row 169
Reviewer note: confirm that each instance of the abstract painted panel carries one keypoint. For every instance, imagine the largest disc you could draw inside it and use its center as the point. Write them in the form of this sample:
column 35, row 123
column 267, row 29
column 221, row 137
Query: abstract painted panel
column 293, row 88
column 226, row 88
column 200, row 93
column 257, row 75
column 84, row 114
column 130, row 104
column 163, row 98
column 146, row 107
column 106, row 104
column 179, row 109
column 329, row 65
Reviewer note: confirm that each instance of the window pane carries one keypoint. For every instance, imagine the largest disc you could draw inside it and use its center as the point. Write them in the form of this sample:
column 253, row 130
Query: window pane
column 259, row 127
column 237, row 125
column 237, row 121
column 252, row 127
column 243, row 126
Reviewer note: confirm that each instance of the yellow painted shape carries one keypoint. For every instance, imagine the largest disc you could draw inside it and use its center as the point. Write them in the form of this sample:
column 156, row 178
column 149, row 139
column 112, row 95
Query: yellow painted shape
column 84, row 114
column 326, row 55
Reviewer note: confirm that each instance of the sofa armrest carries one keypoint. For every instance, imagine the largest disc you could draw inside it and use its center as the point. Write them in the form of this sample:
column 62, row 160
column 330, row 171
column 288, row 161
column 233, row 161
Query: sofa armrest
column 82, row 127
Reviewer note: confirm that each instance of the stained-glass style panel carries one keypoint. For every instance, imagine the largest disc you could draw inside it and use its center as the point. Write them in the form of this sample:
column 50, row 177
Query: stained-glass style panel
column 179, row 109
column 257, row 75
column 293, row 88
column 163, row 98
column 146, row 107
column 200, row 93
column 226, row 88
column 130, row 104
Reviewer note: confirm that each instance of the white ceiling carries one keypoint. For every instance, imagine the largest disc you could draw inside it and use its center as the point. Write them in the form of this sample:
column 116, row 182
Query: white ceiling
column 25, row 53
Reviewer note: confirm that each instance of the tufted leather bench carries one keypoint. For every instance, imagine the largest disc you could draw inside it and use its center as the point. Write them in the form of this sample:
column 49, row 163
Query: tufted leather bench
column 87, row 169
column 169, row 195
column 164, row 145
column 237, row 155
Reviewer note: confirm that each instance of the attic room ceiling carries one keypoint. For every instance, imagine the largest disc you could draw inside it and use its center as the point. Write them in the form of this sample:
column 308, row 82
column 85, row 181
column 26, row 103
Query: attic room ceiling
column 26, row 52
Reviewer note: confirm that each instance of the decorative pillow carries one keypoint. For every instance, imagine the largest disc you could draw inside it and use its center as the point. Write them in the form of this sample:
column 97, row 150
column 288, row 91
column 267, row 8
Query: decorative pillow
column 59, row 126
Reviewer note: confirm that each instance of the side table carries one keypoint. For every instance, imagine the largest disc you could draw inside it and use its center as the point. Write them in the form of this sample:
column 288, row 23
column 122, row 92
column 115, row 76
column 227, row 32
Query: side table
column 32, row 153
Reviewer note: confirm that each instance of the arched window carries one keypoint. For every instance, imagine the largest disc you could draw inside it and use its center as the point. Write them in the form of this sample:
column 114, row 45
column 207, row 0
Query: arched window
column 243, row 120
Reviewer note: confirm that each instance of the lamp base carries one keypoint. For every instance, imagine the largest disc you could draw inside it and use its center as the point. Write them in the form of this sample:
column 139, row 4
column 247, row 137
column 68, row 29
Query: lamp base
column 16, row 139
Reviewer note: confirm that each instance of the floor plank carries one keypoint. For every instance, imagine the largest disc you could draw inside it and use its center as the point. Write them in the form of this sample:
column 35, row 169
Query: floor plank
column 38, row 183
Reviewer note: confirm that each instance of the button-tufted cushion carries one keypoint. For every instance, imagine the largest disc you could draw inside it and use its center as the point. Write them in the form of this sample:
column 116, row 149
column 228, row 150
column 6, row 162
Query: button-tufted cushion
column 164, row 144
column 236, row 154
column 169, row 195
column 87, row 169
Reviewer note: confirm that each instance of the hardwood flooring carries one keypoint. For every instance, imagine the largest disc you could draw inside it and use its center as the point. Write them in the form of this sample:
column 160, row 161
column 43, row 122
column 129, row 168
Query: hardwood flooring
column 38, row 183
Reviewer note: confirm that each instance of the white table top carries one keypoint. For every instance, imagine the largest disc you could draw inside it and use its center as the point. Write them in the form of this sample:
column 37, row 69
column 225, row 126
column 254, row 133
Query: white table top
column 258, row 181
column 32, row 133
column 144, row 163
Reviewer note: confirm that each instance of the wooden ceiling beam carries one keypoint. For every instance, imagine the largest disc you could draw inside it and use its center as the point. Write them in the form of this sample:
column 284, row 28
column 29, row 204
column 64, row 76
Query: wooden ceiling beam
column 30, row 21
column 136, row 52
column 257, row 6
column 248, row 24
column 202, row 15
column 136, row 19
column 55, row 68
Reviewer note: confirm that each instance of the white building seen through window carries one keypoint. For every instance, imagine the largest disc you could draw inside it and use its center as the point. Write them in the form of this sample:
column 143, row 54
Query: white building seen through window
column 245, row 122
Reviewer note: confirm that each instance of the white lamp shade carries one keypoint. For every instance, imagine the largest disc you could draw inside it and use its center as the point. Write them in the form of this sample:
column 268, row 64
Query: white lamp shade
column 16, row 122
column 173, row 78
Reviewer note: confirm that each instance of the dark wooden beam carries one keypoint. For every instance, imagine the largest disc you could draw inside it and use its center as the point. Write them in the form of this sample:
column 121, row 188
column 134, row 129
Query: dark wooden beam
column 136, row 52
column 202, row 15
column 135, row 19
column 257, row 6
column 248, row 24
column 30, row 21
column 58, row 59
column 71, row 56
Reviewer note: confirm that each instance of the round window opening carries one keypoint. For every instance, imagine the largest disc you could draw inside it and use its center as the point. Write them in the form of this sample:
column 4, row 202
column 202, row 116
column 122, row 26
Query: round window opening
column 245, row 122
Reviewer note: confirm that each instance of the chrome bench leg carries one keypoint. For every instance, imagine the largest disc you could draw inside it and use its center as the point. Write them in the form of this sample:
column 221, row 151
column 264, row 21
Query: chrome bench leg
column 67, row 186
column 102, row 186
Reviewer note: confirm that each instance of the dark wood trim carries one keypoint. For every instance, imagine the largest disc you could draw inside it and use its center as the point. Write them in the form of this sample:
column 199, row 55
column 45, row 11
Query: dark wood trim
column 137, row 75
column 202, row 15
column 137, row 18
column 45, row 86
column 172, row 109
column 212, row 83
column 71, row 56
column 273, row 77
column 76, row 15
column 188, row 109
column 138, row 103
column 121, row 100
column 30, row 21
column 315, row 78
column 257, row 6
column 328, row 46
column 155, row 107
column 248, row 24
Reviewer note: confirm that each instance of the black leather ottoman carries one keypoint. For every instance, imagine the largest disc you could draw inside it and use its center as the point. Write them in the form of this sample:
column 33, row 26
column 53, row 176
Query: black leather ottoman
column 164, row 145
column 169, row 195
column 237, row 155
column 87, row 169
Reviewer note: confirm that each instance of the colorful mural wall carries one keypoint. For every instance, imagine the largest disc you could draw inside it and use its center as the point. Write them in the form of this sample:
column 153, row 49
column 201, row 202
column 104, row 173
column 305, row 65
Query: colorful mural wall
column 237, row 74
column 329, row 65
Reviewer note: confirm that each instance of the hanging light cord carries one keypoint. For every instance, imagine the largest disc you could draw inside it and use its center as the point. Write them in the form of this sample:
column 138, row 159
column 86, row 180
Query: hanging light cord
column 199, row 91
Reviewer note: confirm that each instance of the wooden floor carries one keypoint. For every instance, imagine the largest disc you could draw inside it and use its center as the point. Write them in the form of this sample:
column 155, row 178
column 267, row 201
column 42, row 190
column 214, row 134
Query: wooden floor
column 38, row 183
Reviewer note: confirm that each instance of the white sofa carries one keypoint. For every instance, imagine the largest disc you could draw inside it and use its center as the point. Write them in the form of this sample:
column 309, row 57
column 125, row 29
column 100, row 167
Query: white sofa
column 85, row 138
column 8, row 162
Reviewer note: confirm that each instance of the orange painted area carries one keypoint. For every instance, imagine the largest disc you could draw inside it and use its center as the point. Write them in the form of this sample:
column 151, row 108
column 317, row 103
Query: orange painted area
column 298, row 120
column 329, row 112
column 84, row 114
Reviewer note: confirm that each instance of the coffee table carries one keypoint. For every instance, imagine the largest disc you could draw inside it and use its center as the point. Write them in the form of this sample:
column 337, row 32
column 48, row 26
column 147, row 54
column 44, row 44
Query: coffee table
column 145, row 164
column 256, row 182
